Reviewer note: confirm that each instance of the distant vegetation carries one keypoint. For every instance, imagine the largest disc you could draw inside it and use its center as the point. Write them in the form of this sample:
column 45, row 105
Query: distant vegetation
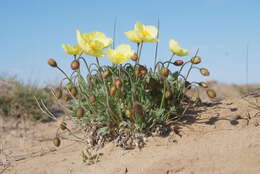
column 18, row 100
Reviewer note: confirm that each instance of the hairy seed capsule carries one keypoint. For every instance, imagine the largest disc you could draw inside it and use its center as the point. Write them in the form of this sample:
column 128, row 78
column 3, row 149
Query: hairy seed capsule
column 164, row 72
column 141, row 71
column 56, row 141
column 168, row 94
column 58, row 93
column 195, row 60
column 204, row 71
column 74, row 91
column 203, row 84
column 134, row 57
column 106, row 74
column 91, row 99
column 112, row 91
column 63, row 126
column 75, row 65
column 137, row 109
column 211, row 93
column 80, row 112
column 178, row 62
column 52, row 63
column 118, row 83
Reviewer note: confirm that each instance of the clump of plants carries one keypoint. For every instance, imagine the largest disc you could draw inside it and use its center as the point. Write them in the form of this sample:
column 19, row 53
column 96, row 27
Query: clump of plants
column 126, row 100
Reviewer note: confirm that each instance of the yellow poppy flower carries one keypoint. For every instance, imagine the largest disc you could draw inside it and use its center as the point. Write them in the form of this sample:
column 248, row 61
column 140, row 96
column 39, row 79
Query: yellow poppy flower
column 72, row 49
column 121, row 54
column 142, row 33
column 93, row 43
column 176, row 49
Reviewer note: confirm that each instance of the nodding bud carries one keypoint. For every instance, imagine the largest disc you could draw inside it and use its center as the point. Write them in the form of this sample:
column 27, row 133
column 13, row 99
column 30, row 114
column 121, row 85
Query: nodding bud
column 52, row 63
column 118, row 83
column 58, row 93
column 74, row 91
column 211, row 93
column 128, row 113
column 63, row 126
column 80, row 112
column 106, row 74
column 204, row 71
column 75, row 65
column 165, row 72
column 178, row 62
column 195, row 60
column 112, row 91
column 56, row 141
column 137, row 109
column 204, row 84
column 141, row 71
column 134, row 57
column 168, row 94
column 91, row 99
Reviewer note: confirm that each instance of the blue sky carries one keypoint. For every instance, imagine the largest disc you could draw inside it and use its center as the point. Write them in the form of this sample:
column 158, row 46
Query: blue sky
column 33, row 30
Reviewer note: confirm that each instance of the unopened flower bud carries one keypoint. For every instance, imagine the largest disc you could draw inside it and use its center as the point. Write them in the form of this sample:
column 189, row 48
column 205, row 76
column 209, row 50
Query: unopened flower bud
column 91, row 99
column 211, row 93
column 58, row 93
column 118, row 83
column 63, row 126
column 106, row 74
column 204, row 71
column 195, row 60
column 56, row 141
column 204, row 84
column 141, row 71
column 74, row 91
column 67, row 98
column 52, row 63
column 178, row 62
column 128, row 113
column 168, row 94
column 112, row 91
column 80, row 112
column 164, row 72
column 75, row 65
column 134, row 57
column 137, row 109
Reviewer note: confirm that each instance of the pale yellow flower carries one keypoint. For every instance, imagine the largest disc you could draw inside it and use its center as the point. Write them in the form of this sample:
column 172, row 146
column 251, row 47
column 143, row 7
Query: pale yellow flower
column 72, row 49
column 142, row 33
column 176, row 49
column 93, row 43
column 121, row 54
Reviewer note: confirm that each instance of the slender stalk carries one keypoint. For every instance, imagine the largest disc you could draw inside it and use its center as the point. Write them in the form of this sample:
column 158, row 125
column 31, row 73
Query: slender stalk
column 170, row 60
column 114, row 33
column 64, row 73
column 164, row 89
column 140, row 52
column 157, row 44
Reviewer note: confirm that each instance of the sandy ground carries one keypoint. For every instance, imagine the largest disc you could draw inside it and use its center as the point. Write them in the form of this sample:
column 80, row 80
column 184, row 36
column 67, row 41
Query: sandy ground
column 224, row 140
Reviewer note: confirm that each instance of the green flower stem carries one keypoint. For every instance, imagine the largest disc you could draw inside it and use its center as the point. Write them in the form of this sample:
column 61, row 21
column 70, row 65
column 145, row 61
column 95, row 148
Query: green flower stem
column 106, row 91
column 88, row 68
column 67, row 77
column 170, row 60
column 140, row 52
column 157, row 44
column 164, row 89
